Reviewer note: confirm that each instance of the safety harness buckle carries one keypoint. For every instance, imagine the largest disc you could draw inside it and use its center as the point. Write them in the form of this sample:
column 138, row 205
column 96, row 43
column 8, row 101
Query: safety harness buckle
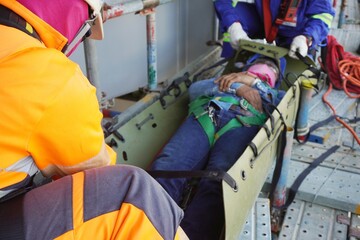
column 244, row 104
column 201, row 114
column 211, row 111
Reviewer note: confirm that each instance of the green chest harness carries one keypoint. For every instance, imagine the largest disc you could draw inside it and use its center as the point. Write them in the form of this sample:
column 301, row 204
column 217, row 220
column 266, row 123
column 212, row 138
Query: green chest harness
column 205, row 116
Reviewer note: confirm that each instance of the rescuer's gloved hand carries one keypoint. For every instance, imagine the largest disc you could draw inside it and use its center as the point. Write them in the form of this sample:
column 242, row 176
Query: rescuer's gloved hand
column 236, row 33
column 299, row 44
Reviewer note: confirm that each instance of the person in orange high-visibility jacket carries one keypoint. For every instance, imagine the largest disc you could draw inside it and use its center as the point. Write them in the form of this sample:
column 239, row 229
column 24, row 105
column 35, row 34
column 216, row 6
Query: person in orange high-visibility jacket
column 51, row 123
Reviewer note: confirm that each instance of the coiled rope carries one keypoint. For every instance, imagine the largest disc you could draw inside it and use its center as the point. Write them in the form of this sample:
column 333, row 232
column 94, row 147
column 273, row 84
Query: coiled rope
column 350, row 73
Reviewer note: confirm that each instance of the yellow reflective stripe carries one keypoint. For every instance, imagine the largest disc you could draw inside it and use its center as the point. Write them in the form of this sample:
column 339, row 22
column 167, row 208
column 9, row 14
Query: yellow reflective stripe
column 325, row 17
column 226, row 37
column 234, row 2
column 29, row 28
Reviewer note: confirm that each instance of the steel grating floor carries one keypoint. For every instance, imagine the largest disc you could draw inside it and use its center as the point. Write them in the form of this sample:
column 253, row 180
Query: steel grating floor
column 257, row 226
column 304, row 220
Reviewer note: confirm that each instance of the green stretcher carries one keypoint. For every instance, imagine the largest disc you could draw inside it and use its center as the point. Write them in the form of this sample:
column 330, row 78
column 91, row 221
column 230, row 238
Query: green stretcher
column 140, row 132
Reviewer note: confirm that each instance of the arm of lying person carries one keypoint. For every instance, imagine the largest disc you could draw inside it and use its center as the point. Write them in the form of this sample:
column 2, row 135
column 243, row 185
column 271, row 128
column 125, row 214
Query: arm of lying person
column 251, row 95
column 221, row 86
column 206, row 87
column 268, row 94
column 260, row 93
column 235, row 80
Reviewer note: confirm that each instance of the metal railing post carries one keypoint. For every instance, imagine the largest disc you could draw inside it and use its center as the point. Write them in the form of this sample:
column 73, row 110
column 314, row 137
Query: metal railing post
column 342, row 14
column 151, row 50
column 92, row 65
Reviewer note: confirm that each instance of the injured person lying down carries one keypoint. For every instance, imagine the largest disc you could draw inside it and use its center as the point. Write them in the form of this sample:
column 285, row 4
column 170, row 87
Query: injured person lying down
column 224, row 116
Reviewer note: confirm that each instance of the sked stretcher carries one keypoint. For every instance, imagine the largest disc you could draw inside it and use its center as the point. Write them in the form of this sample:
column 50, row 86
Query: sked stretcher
column 140, row 132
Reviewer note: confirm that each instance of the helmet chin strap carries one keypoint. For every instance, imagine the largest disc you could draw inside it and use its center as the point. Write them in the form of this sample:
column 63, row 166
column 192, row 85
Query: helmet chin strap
column 83, row 32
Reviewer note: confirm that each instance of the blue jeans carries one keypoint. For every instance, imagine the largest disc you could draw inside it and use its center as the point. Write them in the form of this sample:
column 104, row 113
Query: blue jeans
column 189, row 149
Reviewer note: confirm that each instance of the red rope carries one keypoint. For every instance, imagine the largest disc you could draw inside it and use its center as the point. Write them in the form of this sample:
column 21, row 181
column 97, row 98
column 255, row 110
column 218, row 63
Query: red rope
column 350, row 74
column 337, row 118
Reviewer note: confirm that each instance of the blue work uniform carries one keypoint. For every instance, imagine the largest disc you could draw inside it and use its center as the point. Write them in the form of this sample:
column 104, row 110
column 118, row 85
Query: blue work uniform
column 314, row 19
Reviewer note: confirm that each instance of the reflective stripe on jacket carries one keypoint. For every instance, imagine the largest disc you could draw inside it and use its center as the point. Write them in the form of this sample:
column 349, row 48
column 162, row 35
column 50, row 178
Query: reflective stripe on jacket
column 113, row 202
column 314, row 19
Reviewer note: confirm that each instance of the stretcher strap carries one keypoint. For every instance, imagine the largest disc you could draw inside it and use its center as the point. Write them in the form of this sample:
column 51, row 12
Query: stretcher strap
column 280, row 156
column 295, row 186
column 218, row 63
column 216, row 175
column 279, row 163
column 254, row 148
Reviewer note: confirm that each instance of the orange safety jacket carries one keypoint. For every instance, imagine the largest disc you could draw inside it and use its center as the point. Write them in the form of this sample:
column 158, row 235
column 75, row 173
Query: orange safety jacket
column 40, row 89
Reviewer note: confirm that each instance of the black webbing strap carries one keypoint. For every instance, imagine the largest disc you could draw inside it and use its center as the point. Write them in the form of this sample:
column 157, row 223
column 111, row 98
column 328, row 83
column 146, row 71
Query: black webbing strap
column 280, row 156
column 218, row 63
column 313, row 127
column 295, row 186
column 278, row 164
column 322, row 123
column 270, row 116
column 11, row 219
column 354, row 120
column 11, row 19
column 330, row 119
column 216, row 175
column 304, row 59
column 254, row 148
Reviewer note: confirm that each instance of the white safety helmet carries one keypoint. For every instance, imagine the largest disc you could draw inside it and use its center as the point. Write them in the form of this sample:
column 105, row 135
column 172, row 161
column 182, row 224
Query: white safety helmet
column 97, row 31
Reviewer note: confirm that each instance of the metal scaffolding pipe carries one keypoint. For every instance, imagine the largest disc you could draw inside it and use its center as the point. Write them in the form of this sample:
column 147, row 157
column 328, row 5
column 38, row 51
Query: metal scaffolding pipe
column 151, row 50
column 216, row 28
column 117, row 10
column 342, row 14
column 127, row 7
column 91, row 65
column 150, row 3
column 147, row 7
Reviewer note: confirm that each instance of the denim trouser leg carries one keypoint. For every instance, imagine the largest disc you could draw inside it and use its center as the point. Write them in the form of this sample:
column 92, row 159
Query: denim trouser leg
column 187, row 150
column 204, row 218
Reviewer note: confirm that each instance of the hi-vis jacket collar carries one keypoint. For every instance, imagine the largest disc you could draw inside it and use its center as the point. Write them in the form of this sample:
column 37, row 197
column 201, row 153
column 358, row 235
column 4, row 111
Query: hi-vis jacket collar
column 49, row 36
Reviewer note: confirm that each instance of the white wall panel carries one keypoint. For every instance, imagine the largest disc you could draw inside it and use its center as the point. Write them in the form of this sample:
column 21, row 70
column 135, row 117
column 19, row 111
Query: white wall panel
column 183, row 28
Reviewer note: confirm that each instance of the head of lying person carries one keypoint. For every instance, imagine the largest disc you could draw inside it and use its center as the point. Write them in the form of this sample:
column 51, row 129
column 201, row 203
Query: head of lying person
column 265, row 68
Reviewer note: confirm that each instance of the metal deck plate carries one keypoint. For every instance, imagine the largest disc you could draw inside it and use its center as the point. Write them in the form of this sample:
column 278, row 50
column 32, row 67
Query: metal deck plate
column 257, row 226
column 335, row 183
column 311, row 221
column 354, row 232
column 334, row 133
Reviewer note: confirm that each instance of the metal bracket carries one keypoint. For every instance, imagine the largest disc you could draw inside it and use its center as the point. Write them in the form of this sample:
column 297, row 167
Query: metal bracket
column 343, row 219
column 148, row 118
column 354, row 232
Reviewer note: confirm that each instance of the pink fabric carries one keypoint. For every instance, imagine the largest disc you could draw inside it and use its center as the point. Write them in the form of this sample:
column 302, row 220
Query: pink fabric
column 66, row 16
column 264, row 72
